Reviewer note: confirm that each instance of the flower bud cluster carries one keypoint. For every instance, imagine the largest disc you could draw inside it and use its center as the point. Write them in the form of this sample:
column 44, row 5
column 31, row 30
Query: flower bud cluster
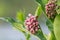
column 31, row 24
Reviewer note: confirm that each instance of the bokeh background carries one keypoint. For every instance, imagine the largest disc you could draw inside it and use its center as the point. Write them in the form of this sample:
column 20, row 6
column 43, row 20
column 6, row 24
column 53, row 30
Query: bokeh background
column 9, row 8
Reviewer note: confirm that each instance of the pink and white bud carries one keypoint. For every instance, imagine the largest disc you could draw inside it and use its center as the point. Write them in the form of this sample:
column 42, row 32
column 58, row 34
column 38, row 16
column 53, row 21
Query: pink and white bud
column 50, row 9
column 31, row 24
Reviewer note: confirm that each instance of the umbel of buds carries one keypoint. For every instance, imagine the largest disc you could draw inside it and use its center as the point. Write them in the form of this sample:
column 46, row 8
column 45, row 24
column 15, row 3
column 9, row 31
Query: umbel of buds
column 50, row 9
column 31, row 23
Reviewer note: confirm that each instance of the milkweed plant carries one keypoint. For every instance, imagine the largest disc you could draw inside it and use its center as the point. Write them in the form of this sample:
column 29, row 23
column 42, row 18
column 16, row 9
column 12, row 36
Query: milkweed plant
column 29, row 25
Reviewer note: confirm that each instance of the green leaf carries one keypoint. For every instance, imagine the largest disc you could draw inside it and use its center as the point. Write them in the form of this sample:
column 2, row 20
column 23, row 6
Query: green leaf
column 14, row 23
column 40, row 35
column 38, row 11
column 58, row 2
column 51, row 36
column 19, row 27
column 58, row 11
column 57, row 27
column 45, row 1
column 42, row 4
column 20, row 16
column 49, row 25
column 27, row 36
column 8, row 19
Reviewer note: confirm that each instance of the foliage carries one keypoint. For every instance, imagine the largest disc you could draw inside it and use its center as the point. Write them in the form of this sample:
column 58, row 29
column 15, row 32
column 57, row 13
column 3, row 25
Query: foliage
column 53, row 26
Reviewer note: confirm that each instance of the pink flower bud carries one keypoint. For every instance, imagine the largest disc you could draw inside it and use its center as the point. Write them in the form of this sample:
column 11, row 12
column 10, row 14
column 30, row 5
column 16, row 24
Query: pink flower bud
column 31, row 23
column 50, row 9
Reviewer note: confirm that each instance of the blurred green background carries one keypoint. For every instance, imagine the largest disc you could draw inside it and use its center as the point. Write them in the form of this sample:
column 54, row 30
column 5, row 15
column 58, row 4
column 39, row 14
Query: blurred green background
column 9, row 8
